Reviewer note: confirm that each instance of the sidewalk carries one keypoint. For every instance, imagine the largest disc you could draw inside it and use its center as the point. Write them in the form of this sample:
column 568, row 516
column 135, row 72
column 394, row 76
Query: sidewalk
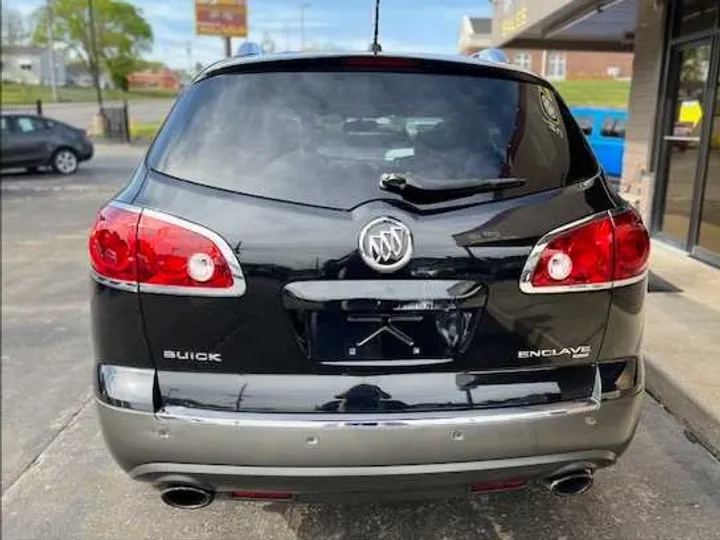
column 682, row 341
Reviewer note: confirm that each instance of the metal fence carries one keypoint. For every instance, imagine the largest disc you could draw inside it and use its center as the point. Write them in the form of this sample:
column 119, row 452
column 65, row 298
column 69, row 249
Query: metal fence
column 26, row 108
column 116, row 122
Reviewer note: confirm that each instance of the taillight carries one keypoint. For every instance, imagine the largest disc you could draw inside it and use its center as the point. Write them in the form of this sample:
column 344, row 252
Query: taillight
column 113, row 244
column 149, row 251
column 632, row 246
column 604, row 251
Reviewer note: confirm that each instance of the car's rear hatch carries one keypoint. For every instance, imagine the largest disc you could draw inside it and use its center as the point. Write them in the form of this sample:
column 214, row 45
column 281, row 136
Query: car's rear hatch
column 259, row 155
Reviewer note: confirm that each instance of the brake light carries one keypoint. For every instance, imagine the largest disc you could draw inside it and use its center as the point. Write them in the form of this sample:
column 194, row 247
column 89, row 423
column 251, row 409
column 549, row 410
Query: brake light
column 605, row 251
column 632, row 246
column 153, row 252
column 381, row 62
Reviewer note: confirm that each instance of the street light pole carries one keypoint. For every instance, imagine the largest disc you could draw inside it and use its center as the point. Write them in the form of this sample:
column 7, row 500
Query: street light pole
column 51, row 50
column 303, row 7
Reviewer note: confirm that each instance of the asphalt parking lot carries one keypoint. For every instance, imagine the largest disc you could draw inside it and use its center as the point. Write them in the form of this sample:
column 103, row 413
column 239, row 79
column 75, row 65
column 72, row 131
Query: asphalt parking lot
column 58, row 480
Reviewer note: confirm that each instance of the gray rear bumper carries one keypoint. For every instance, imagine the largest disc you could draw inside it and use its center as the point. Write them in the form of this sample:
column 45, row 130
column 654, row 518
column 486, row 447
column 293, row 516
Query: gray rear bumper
column 357, row 484
column 316, row 454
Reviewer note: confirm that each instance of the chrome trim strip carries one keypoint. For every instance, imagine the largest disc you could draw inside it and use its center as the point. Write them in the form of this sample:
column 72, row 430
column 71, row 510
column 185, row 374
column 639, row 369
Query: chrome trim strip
column 238, row 287
column 391, row 420
column 127, row 286
column 389, row 363
column 526, row 285
column 398, row 290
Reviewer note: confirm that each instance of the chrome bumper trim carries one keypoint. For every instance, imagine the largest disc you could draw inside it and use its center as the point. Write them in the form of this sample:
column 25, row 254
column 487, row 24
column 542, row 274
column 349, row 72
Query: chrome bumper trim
column 389, row 420
column 406, row 290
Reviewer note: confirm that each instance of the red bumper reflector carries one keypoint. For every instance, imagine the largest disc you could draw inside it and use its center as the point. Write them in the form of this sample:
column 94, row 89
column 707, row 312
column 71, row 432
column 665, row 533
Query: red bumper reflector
column 498, row 485
column 266, row 495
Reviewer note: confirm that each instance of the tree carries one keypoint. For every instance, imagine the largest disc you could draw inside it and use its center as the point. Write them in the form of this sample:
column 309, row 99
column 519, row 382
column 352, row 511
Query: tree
column 122, row 34
column 14, row 29
column 150, row 65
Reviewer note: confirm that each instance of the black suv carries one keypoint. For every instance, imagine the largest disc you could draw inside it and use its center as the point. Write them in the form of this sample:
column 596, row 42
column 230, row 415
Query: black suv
column 301, row 295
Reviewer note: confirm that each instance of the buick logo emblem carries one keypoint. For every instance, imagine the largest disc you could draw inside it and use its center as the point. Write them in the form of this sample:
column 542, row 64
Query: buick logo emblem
column 386, row 244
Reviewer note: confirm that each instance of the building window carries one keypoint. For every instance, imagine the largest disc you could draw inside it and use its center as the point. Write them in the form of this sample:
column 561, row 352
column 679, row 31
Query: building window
column 522, row 60
column 557, row 66
column 695, row 16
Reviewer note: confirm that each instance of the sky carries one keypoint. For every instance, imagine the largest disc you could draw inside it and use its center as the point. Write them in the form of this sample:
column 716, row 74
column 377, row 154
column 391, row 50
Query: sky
column 405, row 25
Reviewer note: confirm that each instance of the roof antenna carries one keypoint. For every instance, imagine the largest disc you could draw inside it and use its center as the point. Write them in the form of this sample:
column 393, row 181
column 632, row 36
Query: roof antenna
column 376, row 47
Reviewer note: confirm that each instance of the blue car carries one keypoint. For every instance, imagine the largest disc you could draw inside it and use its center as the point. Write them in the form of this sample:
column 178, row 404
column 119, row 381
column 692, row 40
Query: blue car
column 605, row 130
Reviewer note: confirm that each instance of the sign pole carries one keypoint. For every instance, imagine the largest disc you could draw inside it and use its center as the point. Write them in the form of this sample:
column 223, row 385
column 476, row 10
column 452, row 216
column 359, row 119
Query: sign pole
column 228, row 46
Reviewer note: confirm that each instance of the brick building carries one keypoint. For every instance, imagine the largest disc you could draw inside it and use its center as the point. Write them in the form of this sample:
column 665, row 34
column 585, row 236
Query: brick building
column 163, row 78
column 476, row 34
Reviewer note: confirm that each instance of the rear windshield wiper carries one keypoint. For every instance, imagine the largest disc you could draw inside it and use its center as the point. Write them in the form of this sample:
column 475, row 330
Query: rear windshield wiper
column 418, row 187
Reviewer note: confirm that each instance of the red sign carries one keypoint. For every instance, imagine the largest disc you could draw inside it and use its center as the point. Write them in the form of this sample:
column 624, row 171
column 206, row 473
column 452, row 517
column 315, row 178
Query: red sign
column 221, row 18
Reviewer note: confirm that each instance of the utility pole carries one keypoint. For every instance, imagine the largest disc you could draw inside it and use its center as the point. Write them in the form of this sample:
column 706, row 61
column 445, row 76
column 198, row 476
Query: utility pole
column 188, row 52
column 303, row 7
column 94, row 54
column 51, row 50
column 99, row 124
column 228, row 46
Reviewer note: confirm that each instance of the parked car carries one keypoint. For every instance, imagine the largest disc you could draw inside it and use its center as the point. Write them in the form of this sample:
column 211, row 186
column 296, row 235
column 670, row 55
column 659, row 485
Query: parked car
column 605, row 130
column 30, row 142
column 274, row 322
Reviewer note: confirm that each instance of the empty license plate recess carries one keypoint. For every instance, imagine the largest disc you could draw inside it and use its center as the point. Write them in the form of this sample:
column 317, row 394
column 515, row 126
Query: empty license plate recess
column 338, row 336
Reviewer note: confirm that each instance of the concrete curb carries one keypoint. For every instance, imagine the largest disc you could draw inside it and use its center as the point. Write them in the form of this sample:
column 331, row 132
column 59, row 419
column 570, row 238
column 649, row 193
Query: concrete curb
column 680, row 402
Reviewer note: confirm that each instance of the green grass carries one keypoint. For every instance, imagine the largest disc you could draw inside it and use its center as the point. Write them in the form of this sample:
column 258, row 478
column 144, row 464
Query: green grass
column 21, row 94
column 143, row 131
column 595, row 93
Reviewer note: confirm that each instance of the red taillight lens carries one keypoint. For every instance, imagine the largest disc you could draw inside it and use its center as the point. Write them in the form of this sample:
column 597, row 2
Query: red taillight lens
column 262, row 495
column 113, row 244
column 498, row 485
column 160, row 253
column 632, row 245
column 601, row 253
column 585, row 253
column 171, row 255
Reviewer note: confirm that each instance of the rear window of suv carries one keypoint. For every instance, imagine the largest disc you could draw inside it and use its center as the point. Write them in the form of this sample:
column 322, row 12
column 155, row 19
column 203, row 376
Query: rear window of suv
column 325, row 138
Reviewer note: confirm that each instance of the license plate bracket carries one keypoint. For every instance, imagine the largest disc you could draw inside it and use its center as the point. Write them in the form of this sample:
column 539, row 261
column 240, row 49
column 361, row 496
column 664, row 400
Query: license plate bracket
column 337, row 336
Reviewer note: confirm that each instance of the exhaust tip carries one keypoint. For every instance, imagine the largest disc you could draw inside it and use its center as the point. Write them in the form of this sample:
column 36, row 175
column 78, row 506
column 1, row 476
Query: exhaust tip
column 575, row 483
column 186, row 497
